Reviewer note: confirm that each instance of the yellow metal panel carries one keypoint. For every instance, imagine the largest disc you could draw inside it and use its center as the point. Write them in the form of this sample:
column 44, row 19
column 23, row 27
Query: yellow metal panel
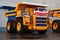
column 41, row 28
column 50, row 22
column 10, row 15
column 31, row 11
column 55, row 14
column 31, row 19
column 18, row 6
column 57, row 9
column 27, row 10
column 18, row 13
column 24, row 20
column 38, row 28
column 34, row 21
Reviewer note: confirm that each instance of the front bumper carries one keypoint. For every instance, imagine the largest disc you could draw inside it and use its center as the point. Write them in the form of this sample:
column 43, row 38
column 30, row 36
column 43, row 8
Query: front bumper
column 39, row 28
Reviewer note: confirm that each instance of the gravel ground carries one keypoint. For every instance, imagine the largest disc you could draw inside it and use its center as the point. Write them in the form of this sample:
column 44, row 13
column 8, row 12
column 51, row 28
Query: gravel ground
column 28, row 36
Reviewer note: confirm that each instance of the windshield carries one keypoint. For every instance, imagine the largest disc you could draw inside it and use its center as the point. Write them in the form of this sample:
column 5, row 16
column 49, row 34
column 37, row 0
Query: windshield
column 36, row 9
column 40, row 9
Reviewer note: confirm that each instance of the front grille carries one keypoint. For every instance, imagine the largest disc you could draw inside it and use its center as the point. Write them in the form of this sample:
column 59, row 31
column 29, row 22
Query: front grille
column 40, row 24
column 40, row 21
column 38, row 18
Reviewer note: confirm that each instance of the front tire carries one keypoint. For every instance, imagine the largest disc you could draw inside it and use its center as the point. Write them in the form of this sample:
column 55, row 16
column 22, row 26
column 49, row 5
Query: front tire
column 20, row 28
column 56, row 26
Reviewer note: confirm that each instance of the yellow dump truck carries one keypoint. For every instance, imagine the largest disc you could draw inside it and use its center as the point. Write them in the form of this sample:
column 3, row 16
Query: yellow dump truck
column 28, row 16
column 55, row 19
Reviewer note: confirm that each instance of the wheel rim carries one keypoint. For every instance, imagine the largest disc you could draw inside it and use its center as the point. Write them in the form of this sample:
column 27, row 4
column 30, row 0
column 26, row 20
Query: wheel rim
column 18, row 26
column 8, row 26
column 55, row 25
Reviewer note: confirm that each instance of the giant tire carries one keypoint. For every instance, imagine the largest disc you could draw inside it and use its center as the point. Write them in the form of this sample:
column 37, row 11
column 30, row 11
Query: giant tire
column 42, row 31
column 21, row 28
column 10, row 27
column 56, row 26
column 19, row 25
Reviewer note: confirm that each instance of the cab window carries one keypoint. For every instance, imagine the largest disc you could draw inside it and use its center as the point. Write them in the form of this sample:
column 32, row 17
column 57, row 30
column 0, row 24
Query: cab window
column 36, row 9
column 42, row 9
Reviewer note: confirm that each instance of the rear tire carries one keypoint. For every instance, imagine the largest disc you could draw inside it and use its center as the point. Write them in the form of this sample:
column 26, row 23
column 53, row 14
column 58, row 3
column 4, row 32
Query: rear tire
column 56, row 26
column 10, row 27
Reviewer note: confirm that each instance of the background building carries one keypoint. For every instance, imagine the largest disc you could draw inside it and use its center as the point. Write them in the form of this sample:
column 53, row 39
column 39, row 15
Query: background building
column 10, row 4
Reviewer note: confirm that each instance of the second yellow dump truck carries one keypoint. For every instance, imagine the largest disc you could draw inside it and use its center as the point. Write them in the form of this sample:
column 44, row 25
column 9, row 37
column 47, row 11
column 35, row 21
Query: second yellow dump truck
column 28, row 16
column 55, row 19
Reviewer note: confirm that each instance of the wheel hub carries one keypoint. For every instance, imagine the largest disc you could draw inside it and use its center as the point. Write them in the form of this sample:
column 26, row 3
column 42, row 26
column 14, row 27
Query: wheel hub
column 18, row 26
column 8, row 26
column 55, row 25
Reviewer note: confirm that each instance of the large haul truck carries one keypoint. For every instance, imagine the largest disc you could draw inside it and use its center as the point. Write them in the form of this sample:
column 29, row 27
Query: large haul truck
column 28, row 16
column 55, row 19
